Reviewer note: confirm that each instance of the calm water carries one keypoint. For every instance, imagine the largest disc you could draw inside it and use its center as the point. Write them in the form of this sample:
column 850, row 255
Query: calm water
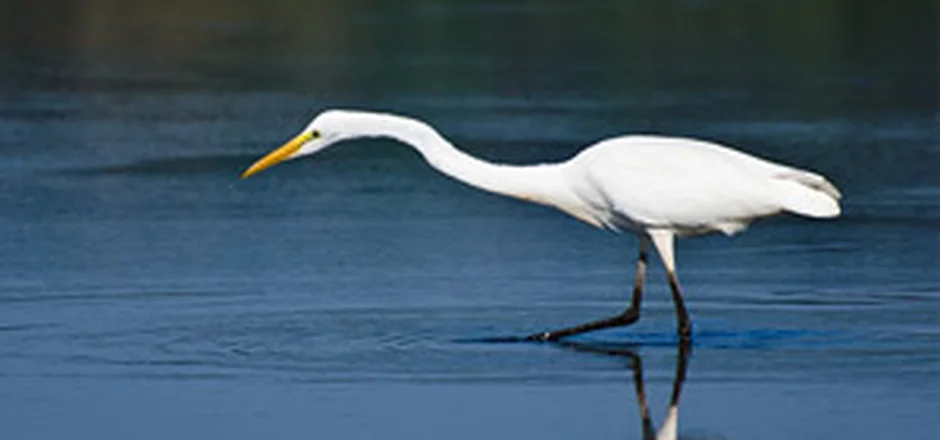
column 145, row 292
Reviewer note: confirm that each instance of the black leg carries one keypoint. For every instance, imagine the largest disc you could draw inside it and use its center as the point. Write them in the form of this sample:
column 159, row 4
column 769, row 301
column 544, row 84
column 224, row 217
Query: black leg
column 629, row 316
column 663, row 240
column 683, row 323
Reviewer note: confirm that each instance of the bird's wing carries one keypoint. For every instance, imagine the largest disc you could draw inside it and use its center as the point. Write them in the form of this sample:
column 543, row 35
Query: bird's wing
column 686, row 185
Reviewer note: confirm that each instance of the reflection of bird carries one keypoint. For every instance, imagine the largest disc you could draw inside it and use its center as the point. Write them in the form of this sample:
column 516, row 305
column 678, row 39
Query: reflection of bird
column 658, row 187
column 669, row 430
column 670, row 427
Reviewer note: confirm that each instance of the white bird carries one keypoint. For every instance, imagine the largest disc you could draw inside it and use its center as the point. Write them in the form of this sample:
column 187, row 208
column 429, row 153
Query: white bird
column 654, row 186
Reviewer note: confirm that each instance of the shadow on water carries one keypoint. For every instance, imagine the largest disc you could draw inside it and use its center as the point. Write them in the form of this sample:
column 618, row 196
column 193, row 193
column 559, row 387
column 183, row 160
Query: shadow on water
column 616, row 340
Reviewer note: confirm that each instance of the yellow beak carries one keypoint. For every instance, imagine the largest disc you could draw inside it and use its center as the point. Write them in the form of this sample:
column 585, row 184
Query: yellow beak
column 277, row 156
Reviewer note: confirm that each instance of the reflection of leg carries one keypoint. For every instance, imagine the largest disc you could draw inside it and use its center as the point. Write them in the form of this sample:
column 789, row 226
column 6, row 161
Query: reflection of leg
column 663, row 239
column 670, row 427
column 682, row 365
column 629, row 316
column 637, row 364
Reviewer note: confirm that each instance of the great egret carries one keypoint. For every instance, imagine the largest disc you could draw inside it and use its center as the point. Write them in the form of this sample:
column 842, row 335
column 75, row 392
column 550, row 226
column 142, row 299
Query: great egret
column 657, row 187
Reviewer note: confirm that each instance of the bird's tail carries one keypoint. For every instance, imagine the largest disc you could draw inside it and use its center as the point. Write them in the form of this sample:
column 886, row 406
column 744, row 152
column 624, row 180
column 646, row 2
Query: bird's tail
column 809, row 194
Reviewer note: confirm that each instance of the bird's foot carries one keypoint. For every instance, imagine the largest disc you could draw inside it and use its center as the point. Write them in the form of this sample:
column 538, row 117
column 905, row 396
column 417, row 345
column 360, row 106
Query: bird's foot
column 626, row 318
column 541, row 337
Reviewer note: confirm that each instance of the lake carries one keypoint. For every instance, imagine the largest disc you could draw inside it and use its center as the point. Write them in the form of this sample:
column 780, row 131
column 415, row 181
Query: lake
column 147, row 292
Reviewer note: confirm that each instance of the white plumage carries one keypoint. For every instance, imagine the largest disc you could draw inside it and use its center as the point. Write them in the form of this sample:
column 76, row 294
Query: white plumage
column 691, row 186
column 657, row 187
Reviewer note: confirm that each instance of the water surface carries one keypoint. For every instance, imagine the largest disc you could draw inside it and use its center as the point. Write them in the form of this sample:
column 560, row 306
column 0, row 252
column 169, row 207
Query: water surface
column 145, row 292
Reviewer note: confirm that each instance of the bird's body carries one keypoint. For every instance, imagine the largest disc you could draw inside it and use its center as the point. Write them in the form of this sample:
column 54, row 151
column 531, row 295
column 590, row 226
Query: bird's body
column 658, row 187
column 689, row 186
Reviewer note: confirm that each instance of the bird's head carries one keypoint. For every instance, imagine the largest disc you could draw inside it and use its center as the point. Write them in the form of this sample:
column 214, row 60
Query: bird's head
column 326, row 129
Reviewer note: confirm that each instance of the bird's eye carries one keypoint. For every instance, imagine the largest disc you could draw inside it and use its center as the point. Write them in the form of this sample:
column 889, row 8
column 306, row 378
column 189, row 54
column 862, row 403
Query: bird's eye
column 314, row 134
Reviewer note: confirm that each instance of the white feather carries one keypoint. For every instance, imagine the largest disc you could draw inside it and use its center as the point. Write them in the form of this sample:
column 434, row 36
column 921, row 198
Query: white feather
column 691, row 186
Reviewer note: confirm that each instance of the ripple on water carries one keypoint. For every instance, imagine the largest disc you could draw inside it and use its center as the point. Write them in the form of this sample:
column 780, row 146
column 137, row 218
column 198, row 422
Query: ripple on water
column 176, row 336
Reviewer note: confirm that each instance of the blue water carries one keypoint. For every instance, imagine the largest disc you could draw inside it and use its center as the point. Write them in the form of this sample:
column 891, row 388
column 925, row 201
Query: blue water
column 146, row 292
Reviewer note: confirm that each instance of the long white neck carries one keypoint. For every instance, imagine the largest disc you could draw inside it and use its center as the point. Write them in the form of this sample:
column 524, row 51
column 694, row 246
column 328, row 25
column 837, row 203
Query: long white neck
column 538, row 183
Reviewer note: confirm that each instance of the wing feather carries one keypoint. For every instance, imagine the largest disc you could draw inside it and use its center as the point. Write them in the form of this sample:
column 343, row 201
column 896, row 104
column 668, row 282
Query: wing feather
column 688, row 185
